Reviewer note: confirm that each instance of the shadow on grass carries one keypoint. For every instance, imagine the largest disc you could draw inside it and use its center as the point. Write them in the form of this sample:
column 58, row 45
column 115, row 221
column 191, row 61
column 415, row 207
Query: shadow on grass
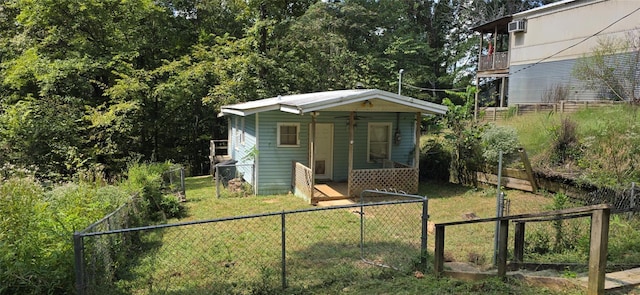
column 439, row 189
column 199, row 182
column 336, row 265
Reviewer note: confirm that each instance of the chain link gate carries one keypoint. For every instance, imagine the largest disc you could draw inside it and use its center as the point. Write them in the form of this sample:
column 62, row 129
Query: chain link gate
column 374, row 234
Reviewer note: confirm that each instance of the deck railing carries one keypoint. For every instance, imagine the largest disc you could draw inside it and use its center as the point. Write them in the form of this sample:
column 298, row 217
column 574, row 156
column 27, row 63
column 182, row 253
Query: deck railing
column 302, row 181
column 599, row 215
column 399, row 178
column 495, row 61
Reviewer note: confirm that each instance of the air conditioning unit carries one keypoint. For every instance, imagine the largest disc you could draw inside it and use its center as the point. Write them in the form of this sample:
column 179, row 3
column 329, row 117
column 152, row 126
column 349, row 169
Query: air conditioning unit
column 517, row 26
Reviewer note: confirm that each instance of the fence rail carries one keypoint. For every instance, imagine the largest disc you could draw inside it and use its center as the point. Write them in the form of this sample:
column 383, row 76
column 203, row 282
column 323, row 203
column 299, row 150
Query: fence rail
column 498, row 114
column 256, row 253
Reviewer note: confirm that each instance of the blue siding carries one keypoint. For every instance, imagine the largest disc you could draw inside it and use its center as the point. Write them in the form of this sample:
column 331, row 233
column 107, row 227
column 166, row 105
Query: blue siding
column 274, row 164
column 241, row 149
column 399, row 153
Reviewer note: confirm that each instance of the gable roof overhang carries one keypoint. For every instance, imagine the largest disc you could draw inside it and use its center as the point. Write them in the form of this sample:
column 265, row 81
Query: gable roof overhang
column 360, row 100
column 489, row 27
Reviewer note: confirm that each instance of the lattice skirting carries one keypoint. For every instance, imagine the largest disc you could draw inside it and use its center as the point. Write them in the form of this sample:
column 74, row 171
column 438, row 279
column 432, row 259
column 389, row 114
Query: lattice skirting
column 302, row 180
column 399, row 179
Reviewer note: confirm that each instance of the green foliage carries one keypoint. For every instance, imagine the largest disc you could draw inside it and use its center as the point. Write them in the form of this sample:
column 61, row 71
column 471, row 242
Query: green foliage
column 623, row 239
column 598, row 145
column 463, row 137
column 496, row 139
column 565, row 146
column 97, row 83
column 567, row 233
column 435, row 159
column 36, row 251
column 170, row 205
column 145, row 180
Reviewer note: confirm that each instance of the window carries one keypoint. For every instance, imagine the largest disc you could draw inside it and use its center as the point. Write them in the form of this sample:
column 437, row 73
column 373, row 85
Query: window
column 379, row 142
column 242, row 131
column 288, row 134
column 238, row 131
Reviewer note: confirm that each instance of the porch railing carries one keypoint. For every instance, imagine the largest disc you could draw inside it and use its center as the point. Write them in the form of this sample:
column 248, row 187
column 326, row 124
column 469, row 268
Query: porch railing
column 398, row 177
column 302, row 181
column 495, row 61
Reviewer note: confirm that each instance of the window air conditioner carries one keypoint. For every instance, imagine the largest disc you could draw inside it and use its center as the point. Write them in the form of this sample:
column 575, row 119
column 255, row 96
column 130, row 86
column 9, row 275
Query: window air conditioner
column 517, row 26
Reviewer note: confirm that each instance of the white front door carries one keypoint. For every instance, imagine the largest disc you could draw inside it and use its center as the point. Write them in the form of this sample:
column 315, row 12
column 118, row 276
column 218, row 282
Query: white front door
column 324, row 151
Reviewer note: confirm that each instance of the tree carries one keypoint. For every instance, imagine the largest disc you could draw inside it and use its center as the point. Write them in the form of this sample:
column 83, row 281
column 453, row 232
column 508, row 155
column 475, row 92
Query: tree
column 463, row 136
column 613, row 66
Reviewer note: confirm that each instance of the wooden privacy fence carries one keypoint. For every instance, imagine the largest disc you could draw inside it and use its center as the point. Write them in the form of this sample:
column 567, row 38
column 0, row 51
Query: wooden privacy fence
column 598, row 243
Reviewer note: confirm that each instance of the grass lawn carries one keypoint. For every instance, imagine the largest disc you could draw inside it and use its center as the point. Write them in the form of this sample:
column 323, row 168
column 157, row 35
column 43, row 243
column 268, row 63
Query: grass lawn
column 447, row 202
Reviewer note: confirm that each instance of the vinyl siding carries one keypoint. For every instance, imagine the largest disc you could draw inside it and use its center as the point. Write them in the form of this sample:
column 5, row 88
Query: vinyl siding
column 240, row 149
column 273, row 163
column 274, row 167
column 530, row 84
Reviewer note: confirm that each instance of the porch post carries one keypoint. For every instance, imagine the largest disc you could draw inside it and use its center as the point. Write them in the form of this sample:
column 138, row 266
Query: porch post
column 312, row 152
column 502, row 82
column 350, row 167
column 416, row 154
column 475, row 108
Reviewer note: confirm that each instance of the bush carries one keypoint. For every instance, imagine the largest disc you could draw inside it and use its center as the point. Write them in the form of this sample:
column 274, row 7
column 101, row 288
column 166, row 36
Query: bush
column 496, row 139
column 146, row 181
column 565, row 146
column 435, row 160
column 36, row 249
column 171, row 207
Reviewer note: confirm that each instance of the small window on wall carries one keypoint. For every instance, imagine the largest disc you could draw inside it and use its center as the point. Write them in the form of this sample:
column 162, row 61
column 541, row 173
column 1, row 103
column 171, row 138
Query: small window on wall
column 379, row 142
column 241, row 139
column 288, row 134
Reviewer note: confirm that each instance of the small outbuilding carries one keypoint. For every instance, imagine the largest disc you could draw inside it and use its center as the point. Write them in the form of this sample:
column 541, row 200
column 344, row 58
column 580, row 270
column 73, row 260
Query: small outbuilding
column 328, row 145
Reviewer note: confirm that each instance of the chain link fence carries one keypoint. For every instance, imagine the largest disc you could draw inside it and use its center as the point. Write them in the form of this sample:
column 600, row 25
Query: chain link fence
column 622, row 200
column 173, row 182
column 97, row 261
column 256, row 254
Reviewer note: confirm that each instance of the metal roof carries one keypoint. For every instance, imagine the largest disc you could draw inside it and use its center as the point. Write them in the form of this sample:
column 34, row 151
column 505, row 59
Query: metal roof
column 335, row 100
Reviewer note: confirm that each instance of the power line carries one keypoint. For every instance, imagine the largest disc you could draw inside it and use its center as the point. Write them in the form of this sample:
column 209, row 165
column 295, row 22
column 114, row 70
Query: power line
column 433, row 89
column 537, row 62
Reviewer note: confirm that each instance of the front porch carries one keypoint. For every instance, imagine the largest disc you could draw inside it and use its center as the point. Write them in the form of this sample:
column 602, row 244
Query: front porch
column 395, row 176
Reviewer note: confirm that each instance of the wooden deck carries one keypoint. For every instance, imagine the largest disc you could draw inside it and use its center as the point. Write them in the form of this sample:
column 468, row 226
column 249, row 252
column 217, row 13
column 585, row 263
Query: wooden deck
column 330, row 191
column 619, row 279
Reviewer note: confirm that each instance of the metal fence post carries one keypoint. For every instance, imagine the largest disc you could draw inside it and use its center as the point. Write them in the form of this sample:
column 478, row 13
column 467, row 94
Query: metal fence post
column 498, row 211
column 182, row 186
column 423, row 240
column 217, row 179
column 362, row 225
column 284, row 250
column 78, row 249
column 633, row 195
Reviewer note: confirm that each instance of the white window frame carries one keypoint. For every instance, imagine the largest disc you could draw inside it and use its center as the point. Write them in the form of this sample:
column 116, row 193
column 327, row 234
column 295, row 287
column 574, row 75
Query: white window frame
column 236, row 134
column 369, row 137
column 285, row 124
column 242, row 131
